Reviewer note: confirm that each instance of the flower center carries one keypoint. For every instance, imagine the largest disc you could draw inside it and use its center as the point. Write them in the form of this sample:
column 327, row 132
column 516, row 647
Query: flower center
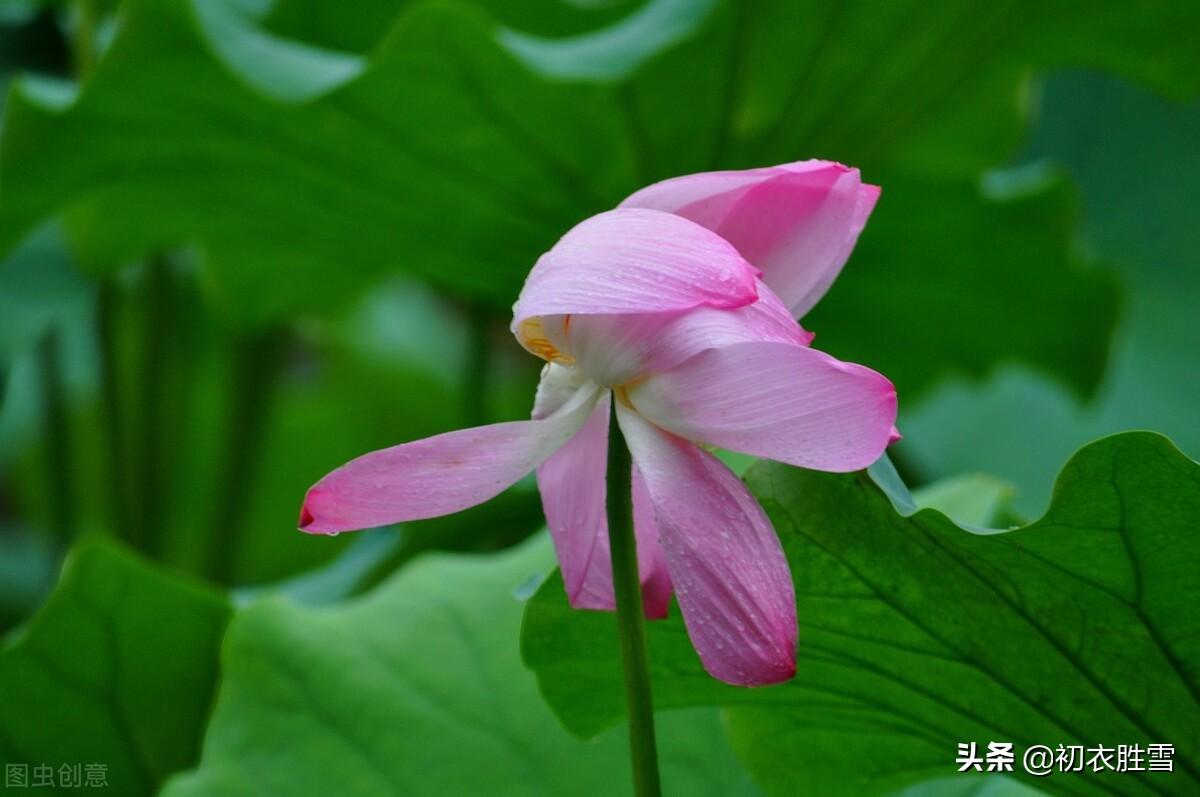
column 533, row 334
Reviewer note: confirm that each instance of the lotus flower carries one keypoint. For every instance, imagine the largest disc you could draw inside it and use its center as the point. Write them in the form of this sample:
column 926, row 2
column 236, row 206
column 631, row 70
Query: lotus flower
column 679, row 305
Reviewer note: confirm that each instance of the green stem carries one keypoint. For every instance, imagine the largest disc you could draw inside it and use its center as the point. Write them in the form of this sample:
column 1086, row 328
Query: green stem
column 256, row 361
column 152, row 378
column 630, row 618
column 85, row 37
column 60, row 482
column 476, row 362
column 110, row 399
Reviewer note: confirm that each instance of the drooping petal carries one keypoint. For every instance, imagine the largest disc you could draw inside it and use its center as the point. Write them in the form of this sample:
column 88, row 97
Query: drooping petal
column 652, row 560
column 775, row 400
column 574, row 492
column 439, row 475
column 768, row 319
column 706, row 198
column 797, row 222
column 615, row 349
column 571, row 483
column 628, row 261
column 728, row 568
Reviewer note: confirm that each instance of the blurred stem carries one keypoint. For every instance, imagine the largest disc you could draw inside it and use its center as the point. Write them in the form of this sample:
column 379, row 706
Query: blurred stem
column 152, row 465
column 477, row 363
column 110, row 398
column 60, row 487
column 255, row 360
column 733, row 84
column 86, row 21
column 630, row 618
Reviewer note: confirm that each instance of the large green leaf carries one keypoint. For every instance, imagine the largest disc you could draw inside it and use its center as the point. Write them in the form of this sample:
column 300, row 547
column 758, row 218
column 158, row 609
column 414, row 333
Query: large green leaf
column 333, row 25
column 418, row 689
column 893, row 311
column 958, row 786
column 303, row 173
column 976, row 500
column 924, row 98
column 1081, row 628
column 118, row 668
column 1134, row 158
column 462, row 175
column 182, row 133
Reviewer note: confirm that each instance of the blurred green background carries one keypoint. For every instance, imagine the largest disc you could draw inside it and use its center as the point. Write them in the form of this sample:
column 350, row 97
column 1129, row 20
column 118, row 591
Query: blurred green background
column 242, row 242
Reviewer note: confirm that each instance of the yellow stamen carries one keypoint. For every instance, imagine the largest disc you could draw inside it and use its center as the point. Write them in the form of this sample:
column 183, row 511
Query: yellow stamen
column 533, row 337
column 622, row 394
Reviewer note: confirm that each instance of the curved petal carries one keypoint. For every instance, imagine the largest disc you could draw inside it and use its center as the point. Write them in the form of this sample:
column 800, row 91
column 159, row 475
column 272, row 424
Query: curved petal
column 628, row 261
column 572, row 485
column 706, row 198
column 438, row 475
column 797, row 222
column 652, row 560
column 768, row 319
column 728, row 568
column 615, row 349
column 783, row 402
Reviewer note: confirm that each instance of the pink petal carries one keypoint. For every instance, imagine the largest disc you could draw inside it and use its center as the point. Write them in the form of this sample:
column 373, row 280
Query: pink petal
column 438, row 475
column 628, row 261
column 775, row 400
column 706, row 198
column 768, row 319
column 797, row 222
column 572, row 484
column 615, row 349
column 652, row 559
column 728, row 568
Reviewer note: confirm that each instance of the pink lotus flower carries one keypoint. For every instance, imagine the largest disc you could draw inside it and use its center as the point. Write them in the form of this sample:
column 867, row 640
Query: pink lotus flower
column 681, row 304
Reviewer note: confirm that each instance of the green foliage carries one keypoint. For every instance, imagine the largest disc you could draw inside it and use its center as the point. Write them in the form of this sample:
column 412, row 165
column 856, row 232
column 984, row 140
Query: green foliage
column 399, row 360
column 252, row 189
column 1133, row 156
column 924, row 99
column 418, row 689
column 39, row 290
column 917, row 635
column 302, row 174
column 1011, row 259
column 463, row 176
column 972, row 499
column 958, row 786
column 118, row 668
column 328, row 25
